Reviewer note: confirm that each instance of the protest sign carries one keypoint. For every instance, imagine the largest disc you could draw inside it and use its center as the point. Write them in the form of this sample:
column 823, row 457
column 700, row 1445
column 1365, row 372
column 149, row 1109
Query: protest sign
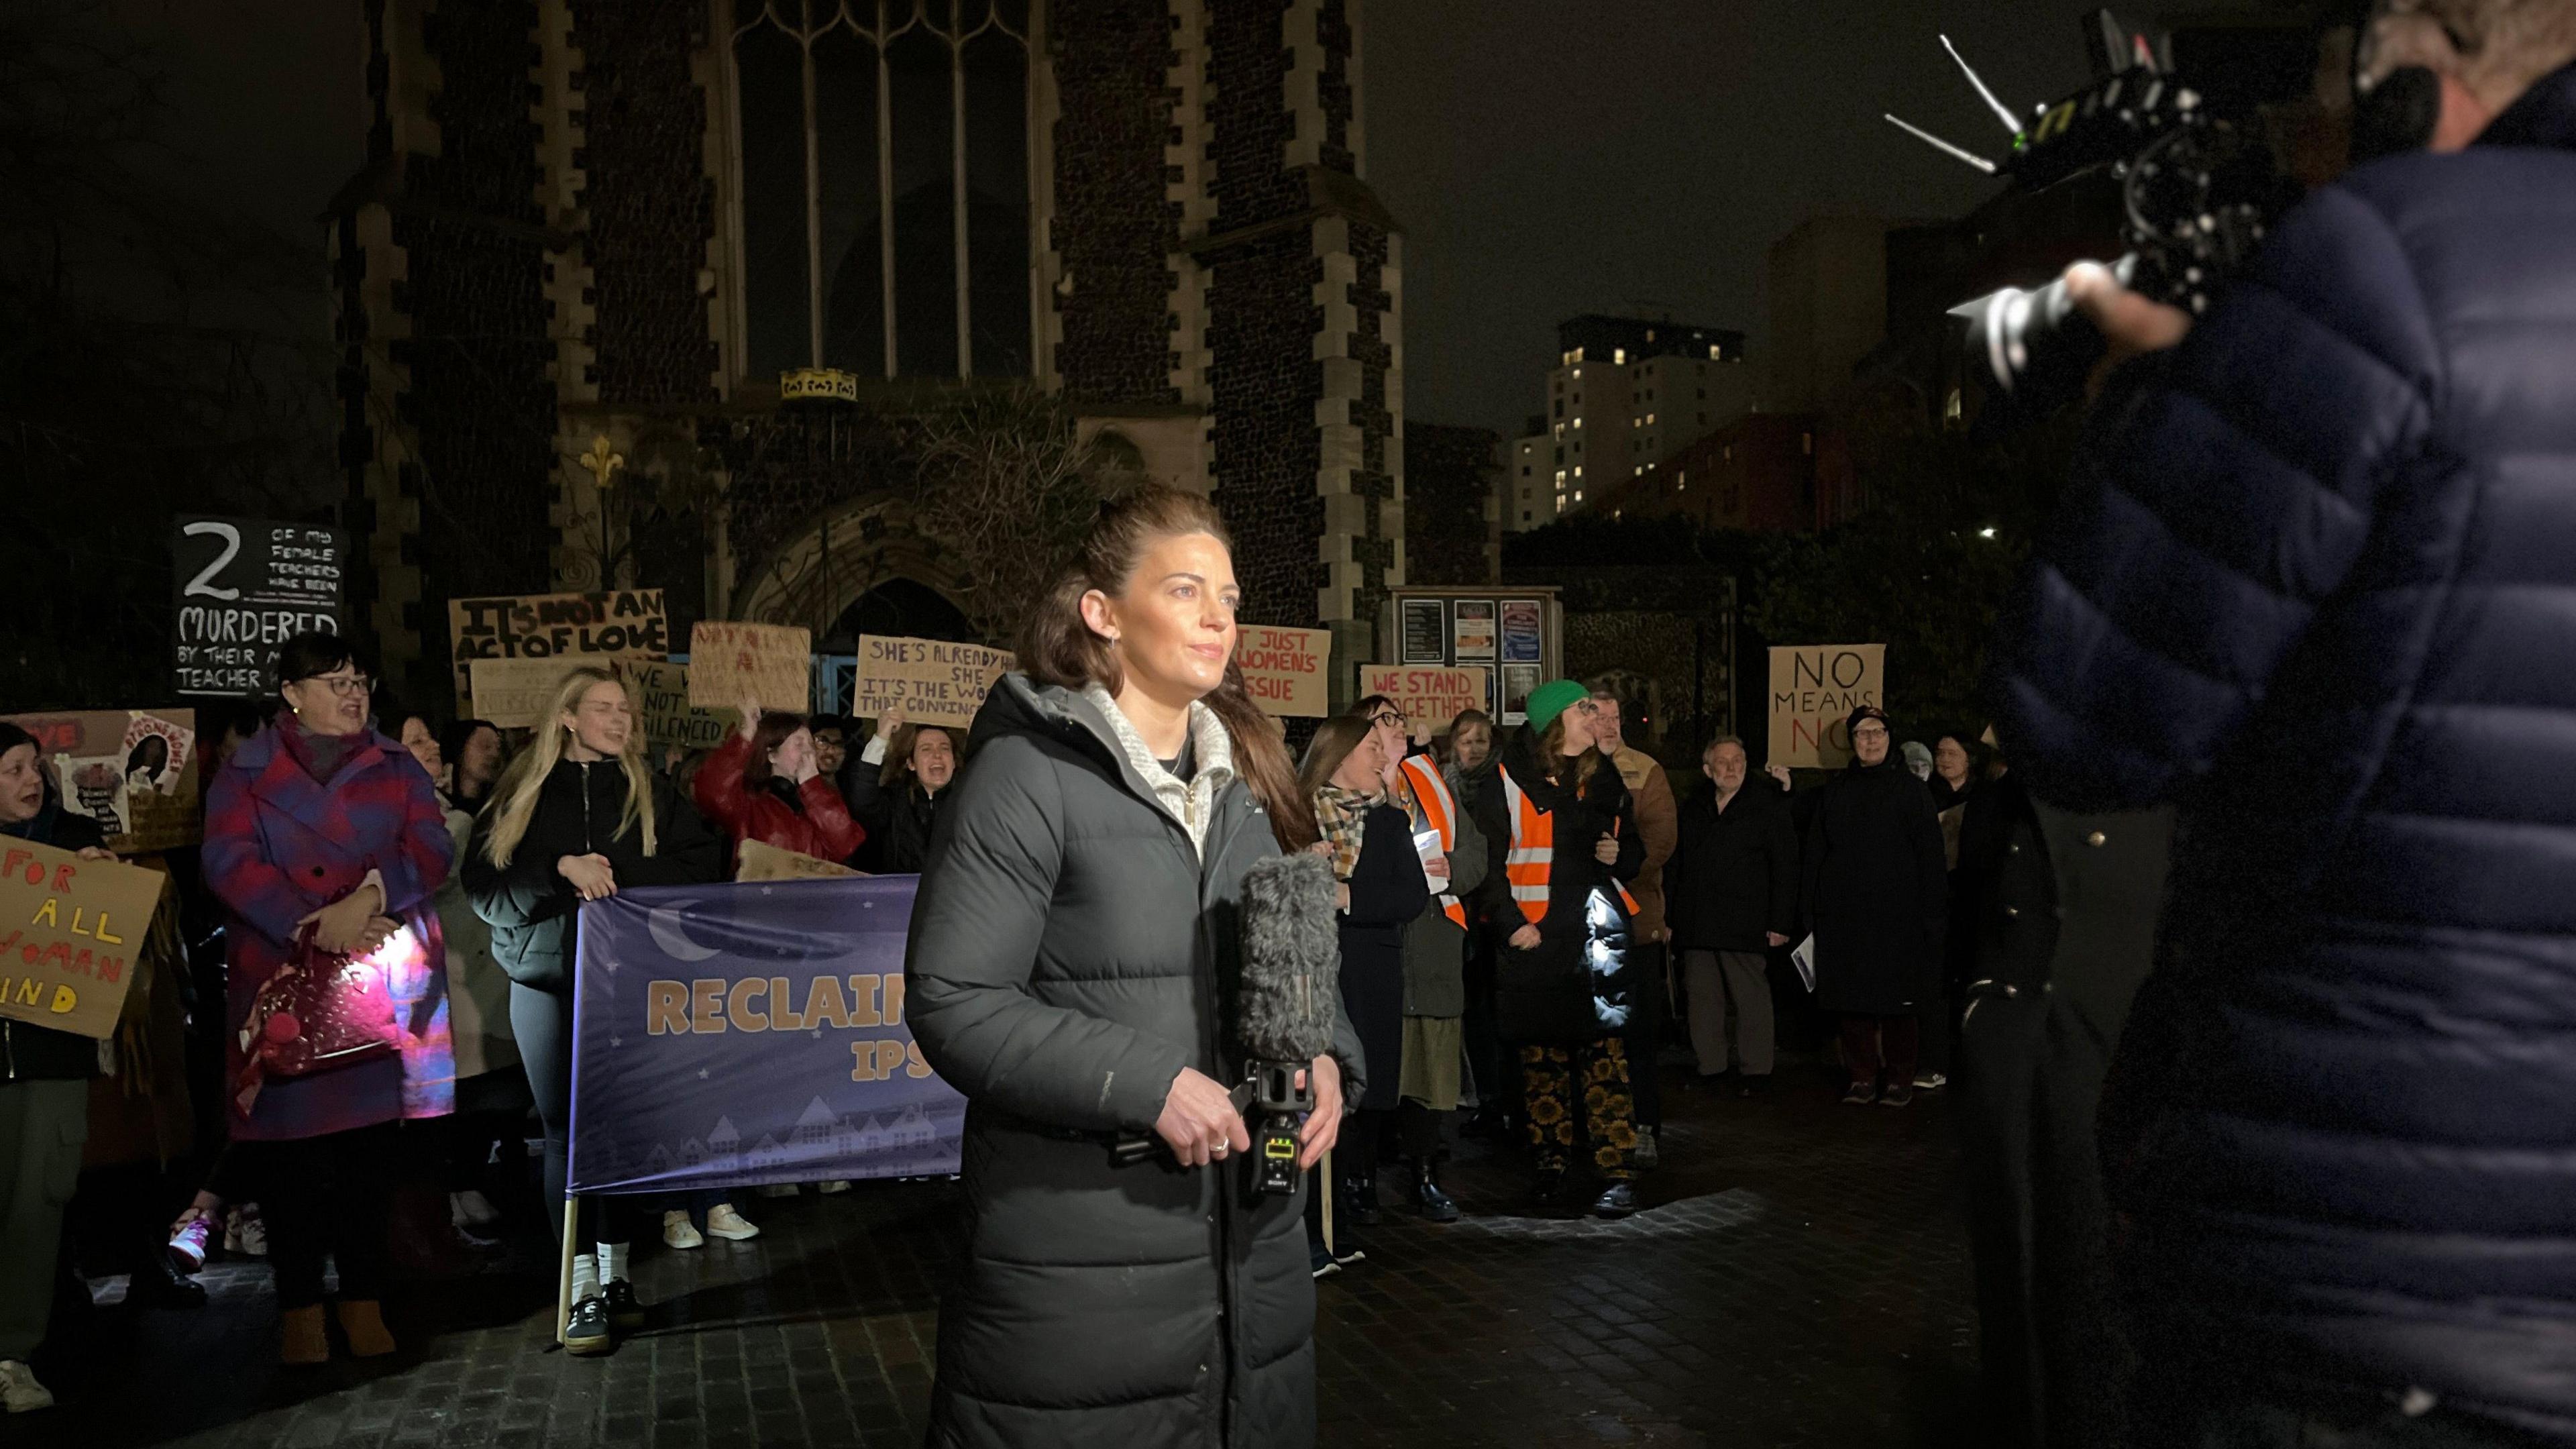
column 1813, row 687
column 620, row 623
column 133, row 771
column 516, row 693
column 758, row 860
column 1430, row 698
column 936, row 682
column 1284, row 670
column 69, row 932
column 730, row 1035
column 771, row 663
column 663, row 711
column 244, row 587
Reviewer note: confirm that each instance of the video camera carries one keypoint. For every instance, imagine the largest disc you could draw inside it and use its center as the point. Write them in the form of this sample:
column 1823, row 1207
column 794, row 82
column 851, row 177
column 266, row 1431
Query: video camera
column 2199, row 186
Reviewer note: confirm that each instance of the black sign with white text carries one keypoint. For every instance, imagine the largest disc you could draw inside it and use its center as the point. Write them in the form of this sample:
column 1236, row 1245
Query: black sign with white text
column 245, row 586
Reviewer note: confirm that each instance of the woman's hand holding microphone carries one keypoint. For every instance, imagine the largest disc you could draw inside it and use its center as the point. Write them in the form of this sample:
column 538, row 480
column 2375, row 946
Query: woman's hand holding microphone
column 1199, row 1122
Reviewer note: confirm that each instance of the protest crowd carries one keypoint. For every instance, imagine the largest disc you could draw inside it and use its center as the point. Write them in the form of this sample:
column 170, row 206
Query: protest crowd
column 1489, row 998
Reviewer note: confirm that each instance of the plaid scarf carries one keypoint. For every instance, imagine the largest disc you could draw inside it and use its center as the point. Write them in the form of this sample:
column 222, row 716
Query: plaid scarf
column 1341, row 816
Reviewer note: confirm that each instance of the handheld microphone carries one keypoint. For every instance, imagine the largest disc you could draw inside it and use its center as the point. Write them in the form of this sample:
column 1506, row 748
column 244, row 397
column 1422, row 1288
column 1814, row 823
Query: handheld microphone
column 1286, row 1004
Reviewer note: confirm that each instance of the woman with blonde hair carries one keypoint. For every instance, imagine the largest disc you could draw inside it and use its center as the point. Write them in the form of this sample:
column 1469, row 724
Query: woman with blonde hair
column 578, row 816
column 1074, row 950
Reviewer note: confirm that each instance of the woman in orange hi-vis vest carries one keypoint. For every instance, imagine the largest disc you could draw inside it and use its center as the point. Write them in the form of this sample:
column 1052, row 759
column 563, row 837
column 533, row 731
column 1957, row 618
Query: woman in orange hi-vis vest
column 1562, row 991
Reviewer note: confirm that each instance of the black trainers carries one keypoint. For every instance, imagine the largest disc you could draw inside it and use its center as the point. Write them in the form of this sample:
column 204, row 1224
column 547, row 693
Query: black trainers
column 588, row 1335
column 625, row 1314
column 1320, row 1259
column 1861, row 1094
column 1435, row 1205
column 1616, row 1201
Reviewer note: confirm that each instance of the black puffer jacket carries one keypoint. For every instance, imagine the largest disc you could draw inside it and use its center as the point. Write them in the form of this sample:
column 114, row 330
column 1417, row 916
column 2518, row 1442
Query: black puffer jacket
column 1574, row 987
column 1070, row 950
column 532, row 908
column 898, row 819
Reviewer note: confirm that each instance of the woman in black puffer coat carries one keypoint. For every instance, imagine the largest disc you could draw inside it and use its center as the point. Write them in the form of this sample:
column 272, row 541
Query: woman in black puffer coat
column 1561, row 990
column 896, row 786
column 1073, row 946
column 577, row 817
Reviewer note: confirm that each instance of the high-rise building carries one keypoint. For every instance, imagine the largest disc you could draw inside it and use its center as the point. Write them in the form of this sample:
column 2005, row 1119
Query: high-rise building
column 1625, row 394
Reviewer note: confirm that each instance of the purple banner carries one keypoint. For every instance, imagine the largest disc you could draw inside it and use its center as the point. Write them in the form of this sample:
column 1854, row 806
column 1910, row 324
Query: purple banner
column 733, row 1035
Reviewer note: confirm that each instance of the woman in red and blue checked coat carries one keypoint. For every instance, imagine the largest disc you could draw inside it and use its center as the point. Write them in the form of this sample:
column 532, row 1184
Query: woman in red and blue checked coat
column 321, row 820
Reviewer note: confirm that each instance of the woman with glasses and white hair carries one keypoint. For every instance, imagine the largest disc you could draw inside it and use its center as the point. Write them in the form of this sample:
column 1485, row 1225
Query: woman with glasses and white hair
column 321, row 824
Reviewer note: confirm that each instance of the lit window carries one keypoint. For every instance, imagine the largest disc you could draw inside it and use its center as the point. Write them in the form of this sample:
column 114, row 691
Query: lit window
column 1650, row 420
column 1640, row 471
column 1712, row 351
column 1578, row 372
column 1560, row 477
column 1578, row 357
column 1578, row 420
column 1560, row 430
column 1681, row 480
column 1578, row 470
column 1578, row 495
column 1618, row 354
column 1650, row 334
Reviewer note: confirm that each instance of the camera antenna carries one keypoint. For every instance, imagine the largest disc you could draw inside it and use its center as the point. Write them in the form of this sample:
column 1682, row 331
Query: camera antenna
column 1936, row 143
column 2002, row 112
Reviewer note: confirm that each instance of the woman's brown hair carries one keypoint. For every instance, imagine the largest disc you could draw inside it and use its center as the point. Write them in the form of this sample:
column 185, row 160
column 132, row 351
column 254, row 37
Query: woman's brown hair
column 1334, row 740
column 1552, row 757
column 1058, row 648
column 897, row 769
column 768, row 735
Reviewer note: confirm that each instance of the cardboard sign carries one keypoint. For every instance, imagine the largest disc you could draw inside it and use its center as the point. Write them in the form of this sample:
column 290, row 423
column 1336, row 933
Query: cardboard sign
column 1813, row 688
column 1430, row 698
column 133, row 771
column 69, row 932
column 662, row 708
column 770, row 663
column 244, row 586
column 621, row 623
column 516, row 694
column 936, row 682
column 1286, row 670
column 759, row 860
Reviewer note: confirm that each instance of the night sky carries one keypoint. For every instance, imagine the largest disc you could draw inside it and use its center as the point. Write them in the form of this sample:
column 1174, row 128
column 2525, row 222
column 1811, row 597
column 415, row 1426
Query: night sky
column 1545, row 159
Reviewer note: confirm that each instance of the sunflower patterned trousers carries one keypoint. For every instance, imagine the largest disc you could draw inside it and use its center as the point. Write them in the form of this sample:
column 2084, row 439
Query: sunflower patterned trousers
column 1551, row 1074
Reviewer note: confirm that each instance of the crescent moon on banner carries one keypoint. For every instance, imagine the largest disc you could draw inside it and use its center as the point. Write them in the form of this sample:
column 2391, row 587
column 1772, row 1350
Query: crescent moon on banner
column 664, row 923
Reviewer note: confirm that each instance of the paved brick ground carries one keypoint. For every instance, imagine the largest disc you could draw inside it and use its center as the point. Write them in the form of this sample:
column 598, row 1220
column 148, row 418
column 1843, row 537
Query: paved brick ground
column 1798, row 1277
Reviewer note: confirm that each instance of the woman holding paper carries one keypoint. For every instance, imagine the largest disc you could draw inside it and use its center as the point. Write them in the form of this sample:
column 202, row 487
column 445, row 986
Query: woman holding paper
column 763, row 784
column 321, row 825
column 896, row 786
column 577, row 817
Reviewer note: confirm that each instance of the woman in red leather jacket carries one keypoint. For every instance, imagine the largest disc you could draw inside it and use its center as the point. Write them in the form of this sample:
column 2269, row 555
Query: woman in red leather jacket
column 763, row 784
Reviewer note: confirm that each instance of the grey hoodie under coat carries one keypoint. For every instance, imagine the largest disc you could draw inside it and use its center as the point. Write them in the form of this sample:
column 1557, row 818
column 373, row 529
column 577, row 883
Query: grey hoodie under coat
column 1070, row 953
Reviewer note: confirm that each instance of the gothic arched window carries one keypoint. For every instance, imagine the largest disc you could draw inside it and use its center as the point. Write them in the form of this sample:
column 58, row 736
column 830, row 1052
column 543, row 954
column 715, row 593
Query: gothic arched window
column 881, row 157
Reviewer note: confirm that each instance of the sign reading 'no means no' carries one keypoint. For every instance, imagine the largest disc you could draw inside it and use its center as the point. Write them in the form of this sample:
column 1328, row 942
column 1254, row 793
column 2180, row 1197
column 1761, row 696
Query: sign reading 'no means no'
column 1813, row 688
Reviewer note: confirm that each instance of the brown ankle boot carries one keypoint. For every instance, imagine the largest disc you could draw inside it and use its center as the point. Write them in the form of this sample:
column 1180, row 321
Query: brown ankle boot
column 301, row 1341
column 363, row 1320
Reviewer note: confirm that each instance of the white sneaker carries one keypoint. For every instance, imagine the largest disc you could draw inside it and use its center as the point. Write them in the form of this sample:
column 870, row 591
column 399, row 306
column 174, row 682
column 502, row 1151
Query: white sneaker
column 779, row 1189
column 471, row 1209
column 723, row 1222
column 679, row 1232
column 1930, row 1082
column 19, row 1389
column 838, row 1184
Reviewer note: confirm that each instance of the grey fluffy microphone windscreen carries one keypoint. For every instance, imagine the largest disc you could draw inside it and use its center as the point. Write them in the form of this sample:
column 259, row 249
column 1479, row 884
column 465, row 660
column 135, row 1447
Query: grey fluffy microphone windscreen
column 1292, row 958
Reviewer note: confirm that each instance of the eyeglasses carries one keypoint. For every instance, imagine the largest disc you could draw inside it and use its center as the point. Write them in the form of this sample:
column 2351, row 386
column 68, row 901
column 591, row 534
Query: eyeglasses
column 1870, row 731
column 345, row 686
column 1389, row 717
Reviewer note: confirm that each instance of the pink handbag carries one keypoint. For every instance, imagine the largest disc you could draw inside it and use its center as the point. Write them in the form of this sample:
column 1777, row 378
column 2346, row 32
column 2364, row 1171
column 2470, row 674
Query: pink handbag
column 322, row 1011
